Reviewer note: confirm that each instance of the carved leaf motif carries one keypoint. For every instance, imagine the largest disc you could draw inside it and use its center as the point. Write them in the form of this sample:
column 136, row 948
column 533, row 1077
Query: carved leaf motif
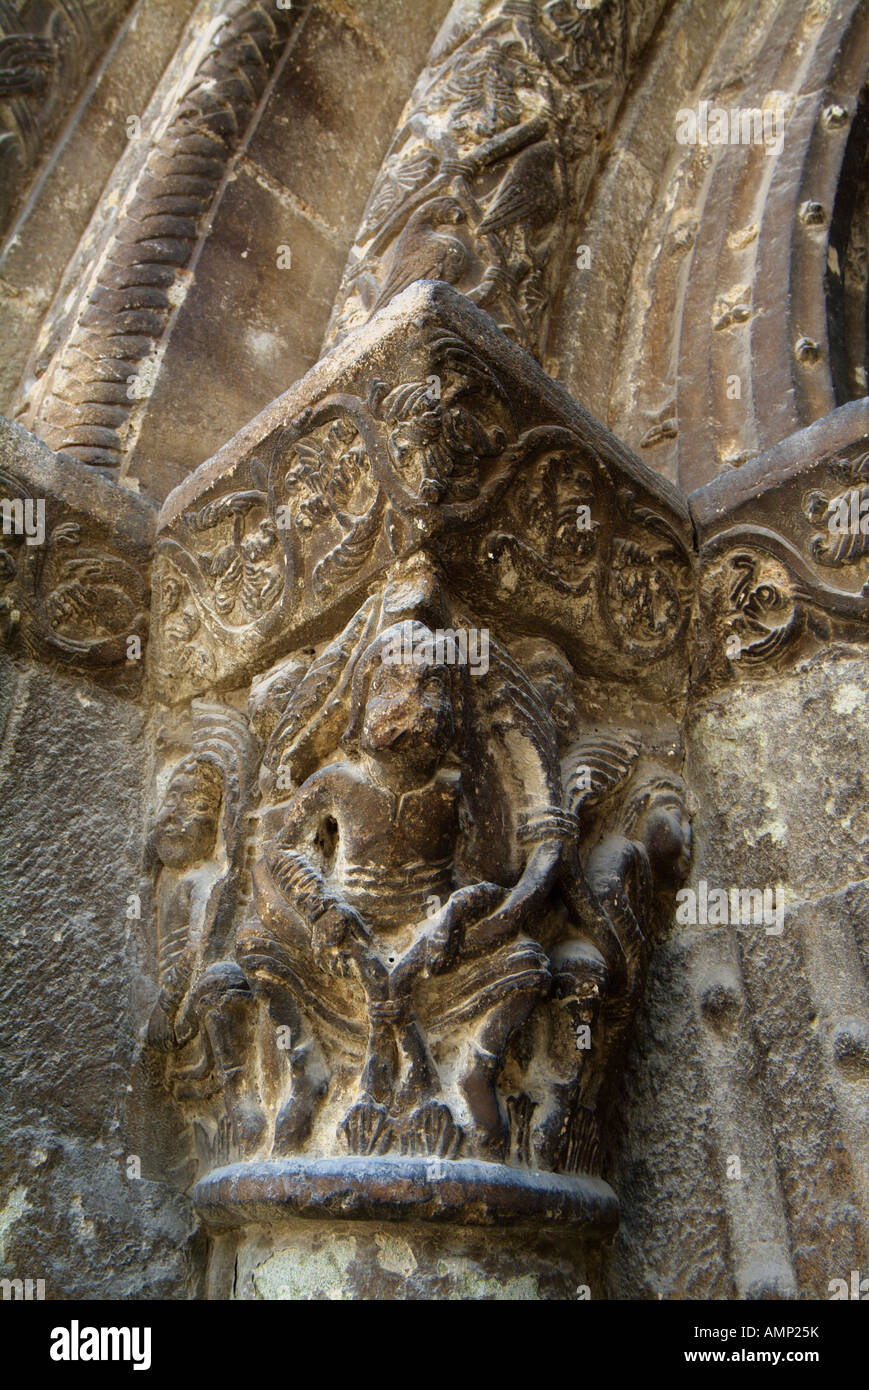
column 596, row 34
column 548, row 502
column 401, row 177
column 24, row 61
column 326, row 476
column 643, row 600
column 343, row 562
column 318, row 698
column 479, row 93
column 843, row 541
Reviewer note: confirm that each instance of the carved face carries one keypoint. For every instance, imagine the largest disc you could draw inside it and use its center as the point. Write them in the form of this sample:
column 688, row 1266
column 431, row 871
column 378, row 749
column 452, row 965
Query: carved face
column 409, row 714
column 186, row 826
column 665, row 829
column 552, row 677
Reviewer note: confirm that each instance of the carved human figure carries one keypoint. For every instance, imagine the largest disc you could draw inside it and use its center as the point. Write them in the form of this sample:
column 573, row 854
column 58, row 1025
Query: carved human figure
column 599, row 966
column 633, row 874
column 363, row 924
column 552, row 675
column 202, row 997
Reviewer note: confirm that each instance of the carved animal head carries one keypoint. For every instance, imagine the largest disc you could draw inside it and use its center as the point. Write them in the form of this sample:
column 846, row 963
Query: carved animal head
column 402, row 700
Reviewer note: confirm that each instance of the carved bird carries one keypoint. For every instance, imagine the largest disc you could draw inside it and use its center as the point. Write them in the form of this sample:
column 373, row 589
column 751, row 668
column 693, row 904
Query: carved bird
column 528, row 194
column 422, row 252
column 401, row 177
column 23, row 61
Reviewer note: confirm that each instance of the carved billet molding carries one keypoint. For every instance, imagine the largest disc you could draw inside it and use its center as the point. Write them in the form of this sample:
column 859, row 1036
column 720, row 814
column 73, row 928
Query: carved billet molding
column 75, row 555
column 46, row 54
column 427, row 430
column 784, row 551
column 486, row 175
column 93, row 390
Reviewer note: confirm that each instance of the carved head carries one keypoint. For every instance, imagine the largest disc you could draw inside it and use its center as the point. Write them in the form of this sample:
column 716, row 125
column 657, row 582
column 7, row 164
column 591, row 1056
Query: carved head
column 657, row 817
column 549, row 670
column 403, row 710
column 185, row 829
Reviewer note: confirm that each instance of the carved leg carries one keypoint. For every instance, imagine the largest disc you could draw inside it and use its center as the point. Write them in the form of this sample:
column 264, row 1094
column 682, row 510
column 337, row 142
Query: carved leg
column 552, row 1139
column 580, row 986
column 419, row 1081
column 366, row 1127
column 309, row 1077
column 224, row 1003
column 430, row 1127
column 490, row 1133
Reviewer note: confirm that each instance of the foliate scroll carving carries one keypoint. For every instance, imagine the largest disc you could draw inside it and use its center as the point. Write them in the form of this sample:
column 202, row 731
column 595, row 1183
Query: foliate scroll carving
column 442, row 940
column 484, row 179
column 87, row 402
column 435, row 440
column 74, row 587
column 25, row 61
column 575, row 529
column 349, row 479
column 768, row 561
column 843, row 514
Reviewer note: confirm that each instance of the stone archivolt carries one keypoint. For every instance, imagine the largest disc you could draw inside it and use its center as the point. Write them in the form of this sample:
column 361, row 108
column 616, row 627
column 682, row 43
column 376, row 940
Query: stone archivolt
column 484, row 178
column 87, row 400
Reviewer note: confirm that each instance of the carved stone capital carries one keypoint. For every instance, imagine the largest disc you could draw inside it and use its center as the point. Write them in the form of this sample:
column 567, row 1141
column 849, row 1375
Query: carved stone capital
column 408, row 877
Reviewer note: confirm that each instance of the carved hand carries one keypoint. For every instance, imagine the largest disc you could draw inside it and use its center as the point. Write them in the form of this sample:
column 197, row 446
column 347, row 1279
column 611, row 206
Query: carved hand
column 161, row 1034
column 337, row 938
column 443, row 936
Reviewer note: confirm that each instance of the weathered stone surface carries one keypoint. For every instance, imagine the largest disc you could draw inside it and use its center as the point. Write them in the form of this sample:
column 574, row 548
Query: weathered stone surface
column 463, row 895
column 774, row 811
column 75, row 562
column 69, row 844
column 304, row 1261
